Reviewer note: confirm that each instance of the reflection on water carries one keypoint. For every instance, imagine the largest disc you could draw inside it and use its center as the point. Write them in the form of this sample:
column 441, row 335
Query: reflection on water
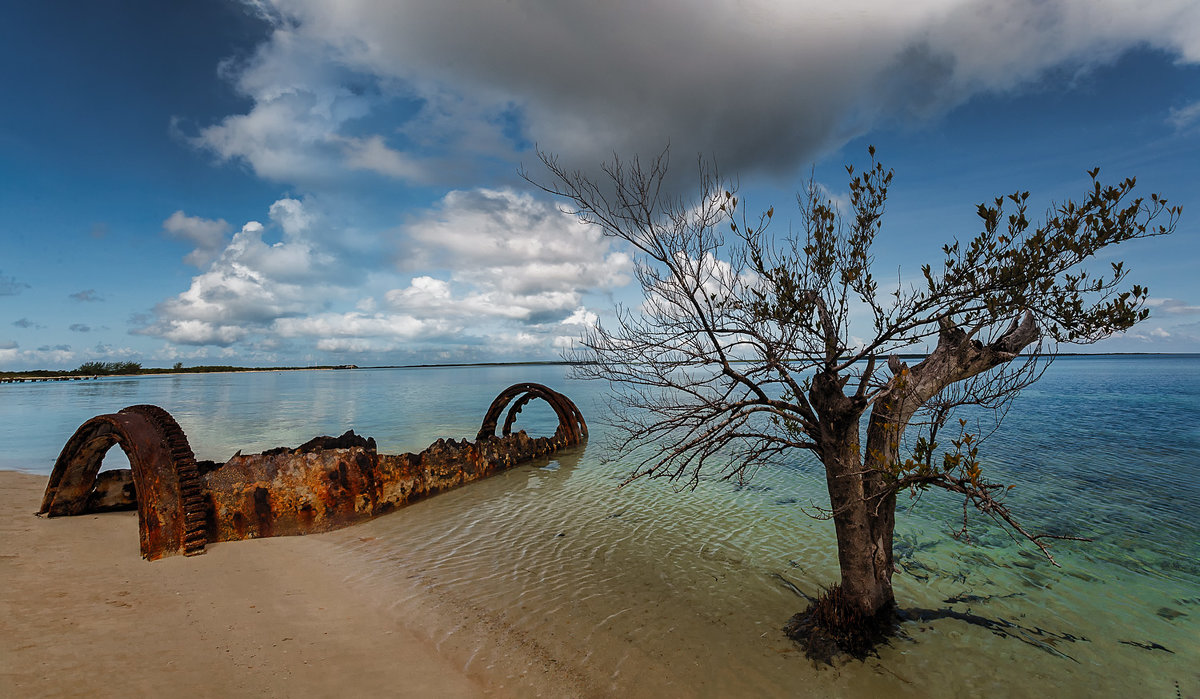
column 646, row 591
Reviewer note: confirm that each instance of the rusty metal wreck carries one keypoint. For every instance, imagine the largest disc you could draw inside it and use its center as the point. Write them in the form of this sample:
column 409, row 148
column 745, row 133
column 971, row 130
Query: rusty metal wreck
column 324, row 484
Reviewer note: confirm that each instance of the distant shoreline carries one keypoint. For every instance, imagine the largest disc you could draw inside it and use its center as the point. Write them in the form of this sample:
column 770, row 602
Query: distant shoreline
column 40, row 375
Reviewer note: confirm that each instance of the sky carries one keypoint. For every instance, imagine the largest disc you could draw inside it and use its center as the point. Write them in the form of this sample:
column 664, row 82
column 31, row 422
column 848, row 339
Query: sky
column 302, row 182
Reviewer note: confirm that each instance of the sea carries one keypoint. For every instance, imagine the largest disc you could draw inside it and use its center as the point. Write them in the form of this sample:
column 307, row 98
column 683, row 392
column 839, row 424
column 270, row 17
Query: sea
column 657, row 590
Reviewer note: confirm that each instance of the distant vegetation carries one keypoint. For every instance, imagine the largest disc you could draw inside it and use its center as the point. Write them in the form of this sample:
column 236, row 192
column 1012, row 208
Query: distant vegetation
column 107, row 368
column 134, row 368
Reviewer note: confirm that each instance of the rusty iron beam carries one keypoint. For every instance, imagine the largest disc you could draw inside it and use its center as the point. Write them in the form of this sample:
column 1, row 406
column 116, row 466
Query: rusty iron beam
column 324, row 484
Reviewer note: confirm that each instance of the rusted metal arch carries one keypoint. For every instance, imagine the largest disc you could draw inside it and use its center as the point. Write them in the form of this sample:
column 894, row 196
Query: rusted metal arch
column 170, row 499
column 322, row 485
column 571, row 427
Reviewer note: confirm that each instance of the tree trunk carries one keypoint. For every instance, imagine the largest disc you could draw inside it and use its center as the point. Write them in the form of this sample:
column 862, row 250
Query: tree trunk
column 883, row 439
column 862, row 495
column 864, row 527
column 956, row 357
column 864, row 530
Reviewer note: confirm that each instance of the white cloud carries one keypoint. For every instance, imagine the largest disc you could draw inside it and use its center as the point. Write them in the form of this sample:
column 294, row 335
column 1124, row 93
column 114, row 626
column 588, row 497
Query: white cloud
column 57, row 356
column 1172, row 306
column 206, row 234
column 505, row 233
column 251, row 283
column 191, row 331
column 1185, row 116
column 60, row 357
column 427, row 296
column 358, row 332
column 706, row 279
column 583, row 317
column 374, row 155
column 504, row 269
column 511, row 257
column 358, row 325
column 1179, row 337
column 303, row 95
column 292, row 217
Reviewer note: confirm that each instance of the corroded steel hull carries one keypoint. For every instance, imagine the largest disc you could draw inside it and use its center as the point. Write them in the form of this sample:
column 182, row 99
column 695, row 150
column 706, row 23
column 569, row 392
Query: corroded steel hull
column 325, row 484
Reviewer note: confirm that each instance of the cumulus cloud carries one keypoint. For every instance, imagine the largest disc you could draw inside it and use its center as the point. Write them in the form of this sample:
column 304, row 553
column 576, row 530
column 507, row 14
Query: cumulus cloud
column 374, row 155
column 206, row 234
column 1167, row 337
column 25, row 323
column 9, row 286
column 85, row 296
column 303, row 97
column 251, row 283
column 581, row 317
column 760, row 85
column 359, row 332
column 498, row 268
column 701, row 280
column 1172, row 306
column 579, row 322
column 1183, row 117
column 80, row 328
column 46, row 356
column 510, row 256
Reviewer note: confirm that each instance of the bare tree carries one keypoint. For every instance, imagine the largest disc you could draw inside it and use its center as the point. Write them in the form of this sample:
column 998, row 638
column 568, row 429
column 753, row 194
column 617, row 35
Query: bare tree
column 742, row 351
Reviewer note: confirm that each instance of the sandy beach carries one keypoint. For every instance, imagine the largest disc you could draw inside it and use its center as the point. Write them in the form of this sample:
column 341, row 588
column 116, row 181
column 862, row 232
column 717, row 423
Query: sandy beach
column 81, row 614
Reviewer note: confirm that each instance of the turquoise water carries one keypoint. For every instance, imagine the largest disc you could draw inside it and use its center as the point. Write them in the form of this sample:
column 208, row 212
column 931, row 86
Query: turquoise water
column 646, row 591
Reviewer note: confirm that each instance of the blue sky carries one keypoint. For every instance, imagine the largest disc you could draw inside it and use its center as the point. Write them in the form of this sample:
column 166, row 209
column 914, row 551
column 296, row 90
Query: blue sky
column 283, row 182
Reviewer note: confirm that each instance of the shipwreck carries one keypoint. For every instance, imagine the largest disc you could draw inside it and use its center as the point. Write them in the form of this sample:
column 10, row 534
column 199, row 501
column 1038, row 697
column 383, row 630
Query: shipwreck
column 325, row 484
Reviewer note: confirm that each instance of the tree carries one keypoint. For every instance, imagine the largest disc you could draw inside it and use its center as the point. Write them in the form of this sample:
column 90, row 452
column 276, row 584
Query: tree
column 108, row 368
column 742, row 349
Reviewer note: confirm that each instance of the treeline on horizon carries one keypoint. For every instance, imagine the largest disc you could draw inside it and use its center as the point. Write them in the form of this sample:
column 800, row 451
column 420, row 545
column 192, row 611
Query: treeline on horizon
column 135, row 368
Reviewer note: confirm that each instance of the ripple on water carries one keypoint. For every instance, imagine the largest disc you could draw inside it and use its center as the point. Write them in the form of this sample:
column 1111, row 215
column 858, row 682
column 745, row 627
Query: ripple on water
column 644, row 591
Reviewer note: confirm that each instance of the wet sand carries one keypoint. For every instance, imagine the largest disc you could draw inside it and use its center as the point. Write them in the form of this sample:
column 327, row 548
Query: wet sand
column 81, row 614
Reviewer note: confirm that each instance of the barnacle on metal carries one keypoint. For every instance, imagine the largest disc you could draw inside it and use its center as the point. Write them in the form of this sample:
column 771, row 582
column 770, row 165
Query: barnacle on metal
column 327, row 483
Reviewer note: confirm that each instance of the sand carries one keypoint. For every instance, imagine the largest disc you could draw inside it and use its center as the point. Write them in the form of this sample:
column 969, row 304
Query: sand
column 82, row 614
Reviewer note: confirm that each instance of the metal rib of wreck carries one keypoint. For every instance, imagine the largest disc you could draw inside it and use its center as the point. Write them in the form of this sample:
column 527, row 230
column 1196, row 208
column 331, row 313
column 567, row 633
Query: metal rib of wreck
column 324, row 484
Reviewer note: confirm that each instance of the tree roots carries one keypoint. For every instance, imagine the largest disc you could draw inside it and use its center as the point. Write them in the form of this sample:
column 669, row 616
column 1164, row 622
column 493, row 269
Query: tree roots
column 830, row 627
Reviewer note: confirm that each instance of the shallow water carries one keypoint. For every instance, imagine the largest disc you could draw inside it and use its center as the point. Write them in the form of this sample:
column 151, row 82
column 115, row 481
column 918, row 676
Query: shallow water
column 645, row 591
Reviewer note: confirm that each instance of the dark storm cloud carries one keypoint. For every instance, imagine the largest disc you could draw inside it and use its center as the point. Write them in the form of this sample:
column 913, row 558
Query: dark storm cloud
column 762, row 86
